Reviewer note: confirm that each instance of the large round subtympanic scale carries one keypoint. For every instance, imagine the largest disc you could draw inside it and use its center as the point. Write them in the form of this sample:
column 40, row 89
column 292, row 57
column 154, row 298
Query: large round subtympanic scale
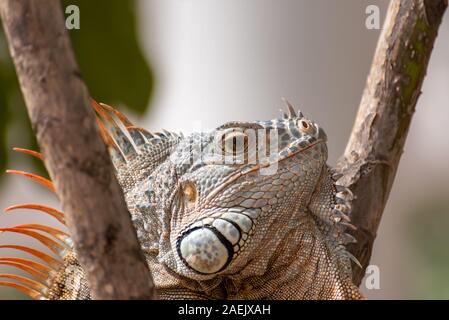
column 205, row 250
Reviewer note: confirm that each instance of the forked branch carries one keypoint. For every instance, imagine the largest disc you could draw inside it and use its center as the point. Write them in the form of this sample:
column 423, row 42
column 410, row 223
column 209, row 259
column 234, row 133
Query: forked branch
column 372, row 155
column 58, row 105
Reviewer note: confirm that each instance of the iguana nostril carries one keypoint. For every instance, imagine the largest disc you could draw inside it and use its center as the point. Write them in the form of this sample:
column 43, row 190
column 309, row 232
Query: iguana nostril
column 205, row 250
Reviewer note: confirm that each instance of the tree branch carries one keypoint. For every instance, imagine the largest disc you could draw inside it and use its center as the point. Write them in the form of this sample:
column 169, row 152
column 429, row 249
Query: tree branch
column 59, row 107
column 377, row 140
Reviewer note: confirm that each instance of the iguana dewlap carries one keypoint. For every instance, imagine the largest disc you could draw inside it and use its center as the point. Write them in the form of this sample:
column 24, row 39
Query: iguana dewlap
column 247, row 211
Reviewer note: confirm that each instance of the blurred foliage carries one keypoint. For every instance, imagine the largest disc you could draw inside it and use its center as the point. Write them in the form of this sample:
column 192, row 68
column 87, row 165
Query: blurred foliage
column 4, row 114
column 109, row 55
column 111, row 62
column 12, row 106
column 429, row 240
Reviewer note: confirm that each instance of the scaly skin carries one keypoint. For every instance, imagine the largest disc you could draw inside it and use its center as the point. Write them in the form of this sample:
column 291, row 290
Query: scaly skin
column 219, row 219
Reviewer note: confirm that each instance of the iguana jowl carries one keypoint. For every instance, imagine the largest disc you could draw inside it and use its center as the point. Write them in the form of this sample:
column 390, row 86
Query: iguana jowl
column 247, row 211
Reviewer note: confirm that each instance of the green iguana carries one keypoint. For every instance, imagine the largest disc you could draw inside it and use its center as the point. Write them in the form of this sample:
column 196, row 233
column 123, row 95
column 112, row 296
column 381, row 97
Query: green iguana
column 247, row 211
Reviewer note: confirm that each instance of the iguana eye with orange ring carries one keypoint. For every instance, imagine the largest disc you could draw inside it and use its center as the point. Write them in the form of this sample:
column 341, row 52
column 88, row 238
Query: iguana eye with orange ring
column 234, row 143
column 305, row 126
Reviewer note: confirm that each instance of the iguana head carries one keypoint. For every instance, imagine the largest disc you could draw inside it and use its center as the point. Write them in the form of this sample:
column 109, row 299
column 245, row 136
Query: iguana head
column 249, row 210
column 230, row 187
column 208, row 202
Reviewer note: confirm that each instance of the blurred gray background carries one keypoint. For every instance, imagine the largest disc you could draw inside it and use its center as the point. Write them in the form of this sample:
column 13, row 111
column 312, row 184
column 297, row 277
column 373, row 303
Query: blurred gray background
column 216, row 61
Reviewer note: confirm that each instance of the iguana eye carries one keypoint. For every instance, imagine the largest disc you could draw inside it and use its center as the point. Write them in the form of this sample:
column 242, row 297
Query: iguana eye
column 305, row 127
column 234, row 143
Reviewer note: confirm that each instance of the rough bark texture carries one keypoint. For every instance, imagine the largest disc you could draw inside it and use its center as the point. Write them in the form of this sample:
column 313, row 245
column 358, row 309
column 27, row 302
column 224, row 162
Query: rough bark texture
column 76, row 157
column 377, row 140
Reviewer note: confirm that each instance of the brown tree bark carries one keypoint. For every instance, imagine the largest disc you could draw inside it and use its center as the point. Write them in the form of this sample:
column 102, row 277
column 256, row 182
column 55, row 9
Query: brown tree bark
column 377, row 140
column 59, row 108
column 76, row 157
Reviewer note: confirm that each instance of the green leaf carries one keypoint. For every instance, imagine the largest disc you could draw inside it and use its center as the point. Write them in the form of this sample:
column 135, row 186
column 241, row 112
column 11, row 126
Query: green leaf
column 111, row 61
column 3, row 119
column 13, row 113
column 109, row 55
